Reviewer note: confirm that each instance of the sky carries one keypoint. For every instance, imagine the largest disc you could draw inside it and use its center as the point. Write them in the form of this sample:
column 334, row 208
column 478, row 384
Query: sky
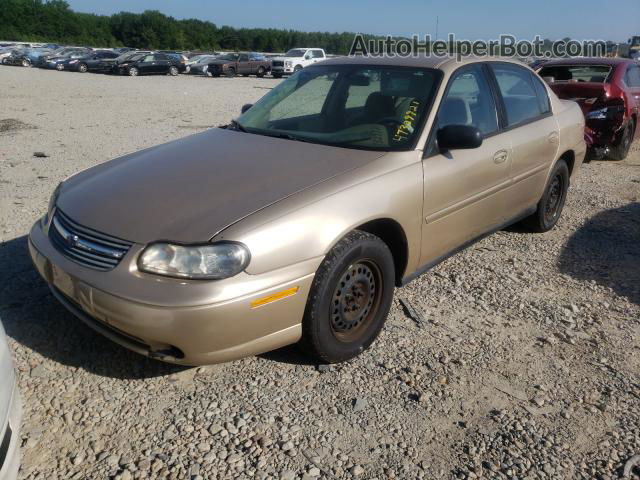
column 468, row 19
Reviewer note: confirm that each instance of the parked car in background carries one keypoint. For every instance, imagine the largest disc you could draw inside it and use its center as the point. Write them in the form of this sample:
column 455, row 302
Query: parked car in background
column 59, row 63
column 608, row 91
column 92, row 62
column 149, row 64
column 62, row 52
column 179, row 252
column 5, row 52
column 111, row 65
column 232, row 64
column 296, row 59
column 17, row 58
column 10, row 414
column 200, row 65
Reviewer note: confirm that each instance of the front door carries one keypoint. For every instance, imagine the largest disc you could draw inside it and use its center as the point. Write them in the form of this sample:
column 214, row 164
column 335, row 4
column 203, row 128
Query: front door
column 465, row 191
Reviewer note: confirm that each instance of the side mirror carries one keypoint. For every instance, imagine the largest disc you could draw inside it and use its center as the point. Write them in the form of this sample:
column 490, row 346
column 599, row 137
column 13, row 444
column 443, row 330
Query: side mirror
column 246, row 107
column 458, row 137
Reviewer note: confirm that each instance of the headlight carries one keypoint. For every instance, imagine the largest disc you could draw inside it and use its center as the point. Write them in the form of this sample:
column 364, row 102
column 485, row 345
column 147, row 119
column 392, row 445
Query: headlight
column 288, row 63
column 211, row 261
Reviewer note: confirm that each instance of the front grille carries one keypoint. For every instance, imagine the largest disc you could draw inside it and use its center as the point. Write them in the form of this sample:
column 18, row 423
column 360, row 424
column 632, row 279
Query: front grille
column 86, row 246
column 277, row 63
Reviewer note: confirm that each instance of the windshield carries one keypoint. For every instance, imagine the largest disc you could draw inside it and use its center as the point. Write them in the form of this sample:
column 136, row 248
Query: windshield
column 576, row 73
column 229, row 56
column 296, row 52
column 353, row 106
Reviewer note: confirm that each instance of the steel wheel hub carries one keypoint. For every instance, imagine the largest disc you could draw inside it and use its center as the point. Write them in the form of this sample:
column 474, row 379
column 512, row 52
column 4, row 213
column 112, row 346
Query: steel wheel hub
column 354, row 298
column 553, row 201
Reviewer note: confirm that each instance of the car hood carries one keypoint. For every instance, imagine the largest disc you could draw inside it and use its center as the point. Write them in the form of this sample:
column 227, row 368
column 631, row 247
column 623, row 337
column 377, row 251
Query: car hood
column 191, row 189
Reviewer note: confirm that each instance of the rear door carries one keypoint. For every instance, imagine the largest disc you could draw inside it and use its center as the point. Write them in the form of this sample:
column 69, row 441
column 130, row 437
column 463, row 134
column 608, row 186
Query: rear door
column 244, row 67
column 161, row 63
column 534, row 132
column 465, row 191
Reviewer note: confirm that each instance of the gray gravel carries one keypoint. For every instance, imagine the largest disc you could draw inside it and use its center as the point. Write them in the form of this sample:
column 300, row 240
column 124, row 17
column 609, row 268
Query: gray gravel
column 525, row 361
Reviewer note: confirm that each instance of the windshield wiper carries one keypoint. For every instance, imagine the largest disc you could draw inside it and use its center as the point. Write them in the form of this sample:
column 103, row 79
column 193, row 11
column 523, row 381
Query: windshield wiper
column 237, row 126
column 286, row 136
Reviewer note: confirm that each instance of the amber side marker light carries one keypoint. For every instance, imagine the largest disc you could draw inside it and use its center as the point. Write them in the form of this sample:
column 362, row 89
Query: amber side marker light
column 274, row 297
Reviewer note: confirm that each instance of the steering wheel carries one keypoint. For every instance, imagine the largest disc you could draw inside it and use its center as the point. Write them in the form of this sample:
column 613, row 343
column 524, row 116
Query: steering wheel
column 391, row 121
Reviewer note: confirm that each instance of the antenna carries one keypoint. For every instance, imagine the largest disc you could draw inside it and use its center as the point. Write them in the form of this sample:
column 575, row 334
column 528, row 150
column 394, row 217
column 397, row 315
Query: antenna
column 437, row 24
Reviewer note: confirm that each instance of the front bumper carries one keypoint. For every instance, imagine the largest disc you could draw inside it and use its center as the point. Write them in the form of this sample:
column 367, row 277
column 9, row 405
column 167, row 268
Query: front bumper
column 282, row 70
column 183, row 322
column 10, row 439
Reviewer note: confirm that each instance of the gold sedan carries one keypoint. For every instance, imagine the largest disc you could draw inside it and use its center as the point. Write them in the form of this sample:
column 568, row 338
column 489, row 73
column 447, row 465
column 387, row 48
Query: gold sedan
column 295, row 222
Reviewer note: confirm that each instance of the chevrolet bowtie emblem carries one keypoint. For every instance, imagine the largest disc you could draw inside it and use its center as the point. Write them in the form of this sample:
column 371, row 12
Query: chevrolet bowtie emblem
column 72, row 240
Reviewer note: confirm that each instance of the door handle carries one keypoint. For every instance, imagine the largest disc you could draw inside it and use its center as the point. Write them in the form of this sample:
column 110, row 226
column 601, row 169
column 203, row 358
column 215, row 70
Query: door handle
column 500, row 156
column 553, row 137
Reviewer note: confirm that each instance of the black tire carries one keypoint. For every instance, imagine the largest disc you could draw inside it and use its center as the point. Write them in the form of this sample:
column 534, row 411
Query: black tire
column 260, row 73
column 26, row 63
column 231, row 72
column 277, row 75
column 550, row 206
column 173, row 71
column 620, row 149
column 133, row 72
column 82, row 68
column 349, row 300
column 59, row 67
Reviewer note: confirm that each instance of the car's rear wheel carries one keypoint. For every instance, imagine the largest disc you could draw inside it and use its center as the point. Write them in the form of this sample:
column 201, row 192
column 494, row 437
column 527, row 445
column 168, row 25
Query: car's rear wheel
column 620, row 149
column 552, row 202
column 173, row 71
column 231, row 72
column 82, row 68
column 350, row 298
column 133, row 72
column 297, row 68
column 26, row 63
column 261, row 71
column 59, row 67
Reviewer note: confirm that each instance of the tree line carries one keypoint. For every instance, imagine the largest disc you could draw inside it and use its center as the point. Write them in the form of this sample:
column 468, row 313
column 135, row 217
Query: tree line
column 54, row 21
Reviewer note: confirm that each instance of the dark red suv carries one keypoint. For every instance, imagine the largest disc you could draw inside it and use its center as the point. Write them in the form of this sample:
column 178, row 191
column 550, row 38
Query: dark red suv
column 608, row 91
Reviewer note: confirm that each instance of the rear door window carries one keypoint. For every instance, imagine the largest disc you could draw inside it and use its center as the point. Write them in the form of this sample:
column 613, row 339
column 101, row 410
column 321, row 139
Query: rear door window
column 518, row 93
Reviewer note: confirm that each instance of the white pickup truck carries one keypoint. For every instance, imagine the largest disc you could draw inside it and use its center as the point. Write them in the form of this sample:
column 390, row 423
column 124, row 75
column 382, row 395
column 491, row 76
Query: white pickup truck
column 296, row 59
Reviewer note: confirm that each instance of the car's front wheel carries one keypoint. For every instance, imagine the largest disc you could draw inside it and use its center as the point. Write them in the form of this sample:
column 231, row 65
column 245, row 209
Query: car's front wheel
column 82, row 68
column 551, row 204
column 133, row 72
column 350, row 298
column 173, row 71
column 59, row 67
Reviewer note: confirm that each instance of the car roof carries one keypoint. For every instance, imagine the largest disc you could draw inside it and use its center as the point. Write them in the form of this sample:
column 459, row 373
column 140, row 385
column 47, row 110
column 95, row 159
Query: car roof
column 424, row 61
column 588, row 61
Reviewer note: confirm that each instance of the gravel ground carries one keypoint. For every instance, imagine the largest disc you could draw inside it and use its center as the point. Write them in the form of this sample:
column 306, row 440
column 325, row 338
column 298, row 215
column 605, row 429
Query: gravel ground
column 527, row 363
